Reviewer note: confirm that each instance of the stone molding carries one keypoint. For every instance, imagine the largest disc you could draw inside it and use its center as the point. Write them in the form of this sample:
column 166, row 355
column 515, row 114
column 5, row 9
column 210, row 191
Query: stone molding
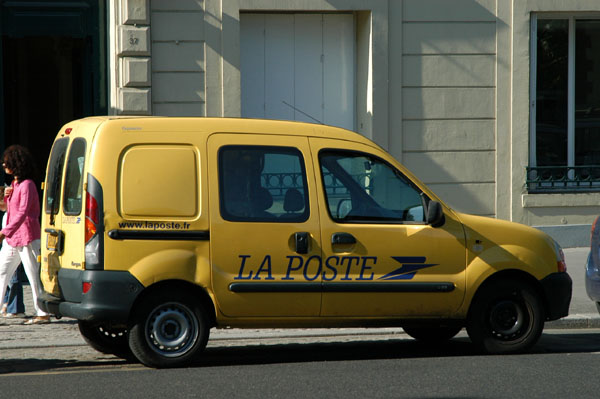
column 135, row 62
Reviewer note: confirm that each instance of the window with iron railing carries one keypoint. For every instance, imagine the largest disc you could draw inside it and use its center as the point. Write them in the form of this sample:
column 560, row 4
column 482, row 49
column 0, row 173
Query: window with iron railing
column 565, row 104
column 554, row 179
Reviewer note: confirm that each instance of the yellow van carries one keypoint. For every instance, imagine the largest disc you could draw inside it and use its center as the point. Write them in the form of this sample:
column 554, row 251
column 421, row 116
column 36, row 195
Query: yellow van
column 157, row 229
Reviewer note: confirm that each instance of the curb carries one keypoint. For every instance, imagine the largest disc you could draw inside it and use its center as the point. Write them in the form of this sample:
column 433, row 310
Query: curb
column 588, row 320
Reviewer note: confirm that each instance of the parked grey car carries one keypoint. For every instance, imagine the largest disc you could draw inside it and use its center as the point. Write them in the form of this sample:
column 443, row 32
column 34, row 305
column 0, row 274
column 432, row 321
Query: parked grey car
column 592, row 268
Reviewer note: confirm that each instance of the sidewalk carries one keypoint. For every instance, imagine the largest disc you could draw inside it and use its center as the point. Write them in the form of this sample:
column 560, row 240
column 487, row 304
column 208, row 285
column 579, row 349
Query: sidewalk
column 65, row 333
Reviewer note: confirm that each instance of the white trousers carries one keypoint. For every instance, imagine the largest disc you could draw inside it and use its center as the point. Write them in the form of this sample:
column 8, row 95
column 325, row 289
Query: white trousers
column 10, row 257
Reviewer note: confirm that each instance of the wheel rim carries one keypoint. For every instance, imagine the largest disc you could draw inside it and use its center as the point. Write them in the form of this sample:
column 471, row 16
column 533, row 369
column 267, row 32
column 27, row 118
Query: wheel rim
column 507, row 319
column 171, row 329
column 112, row 334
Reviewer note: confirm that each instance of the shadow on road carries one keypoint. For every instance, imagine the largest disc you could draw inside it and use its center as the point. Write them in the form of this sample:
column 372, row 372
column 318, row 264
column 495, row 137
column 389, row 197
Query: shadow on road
column 10, row 366
column 388, row 349
column 255, row 354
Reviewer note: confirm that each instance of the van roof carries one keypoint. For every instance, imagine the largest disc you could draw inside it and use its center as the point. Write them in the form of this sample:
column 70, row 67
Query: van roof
column 226, row 125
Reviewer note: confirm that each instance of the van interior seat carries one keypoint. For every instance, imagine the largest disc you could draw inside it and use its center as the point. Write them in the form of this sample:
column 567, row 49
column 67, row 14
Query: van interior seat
column 261, row 201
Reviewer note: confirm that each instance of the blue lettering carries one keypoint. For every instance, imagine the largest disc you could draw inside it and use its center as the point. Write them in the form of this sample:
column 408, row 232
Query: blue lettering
column 239, row 276
column 365, row 267
column 318, row 258
column 291, row 267
column 330, row 267
column 350, row 259
column 265, row 267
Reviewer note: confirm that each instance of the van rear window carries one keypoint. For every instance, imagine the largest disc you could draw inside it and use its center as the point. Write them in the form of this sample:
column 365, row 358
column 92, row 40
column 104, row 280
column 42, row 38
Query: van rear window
column 74, row 178
column 53, row 179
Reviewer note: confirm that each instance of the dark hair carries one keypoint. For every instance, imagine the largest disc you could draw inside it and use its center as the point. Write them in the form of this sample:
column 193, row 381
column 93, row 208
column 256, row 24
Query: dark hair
column 20, row 161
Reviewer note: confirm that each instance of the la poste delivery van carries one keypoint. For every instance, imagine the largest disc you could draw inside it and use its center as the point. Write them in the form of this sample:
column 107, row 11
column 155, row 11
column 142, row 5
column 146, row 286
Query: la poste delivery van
column 156, row 229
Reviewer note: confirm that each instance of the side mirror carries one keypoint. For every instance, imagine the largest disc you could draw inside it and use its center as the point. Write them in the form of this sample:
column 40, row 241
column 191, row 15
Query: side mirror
column 435, row 214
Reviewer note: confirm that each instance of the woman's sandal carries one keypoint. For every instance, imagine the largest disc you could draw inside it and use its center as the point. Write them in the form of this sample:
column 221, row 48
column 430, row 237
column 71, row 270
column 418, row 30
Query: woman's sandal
column 38, row 320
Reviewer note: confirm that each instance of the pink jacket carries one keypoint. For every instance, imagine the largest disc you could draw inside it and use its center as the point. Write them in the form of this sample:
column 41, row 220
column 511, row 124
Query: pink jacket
column 23, row 207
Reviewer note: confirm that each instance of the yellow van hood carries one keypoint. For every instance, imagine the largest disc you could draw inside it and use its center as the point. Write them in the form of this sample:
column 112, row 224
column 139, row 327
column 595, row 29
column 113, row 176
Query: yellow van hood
column 508, row 245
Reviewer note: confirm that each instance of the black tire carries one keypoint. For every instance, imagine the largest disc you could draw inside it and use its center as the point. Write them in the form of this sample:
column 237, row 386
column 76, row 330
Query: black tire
column 432, row 334
column 112, row 341
column 506, row 317
column 168, row 330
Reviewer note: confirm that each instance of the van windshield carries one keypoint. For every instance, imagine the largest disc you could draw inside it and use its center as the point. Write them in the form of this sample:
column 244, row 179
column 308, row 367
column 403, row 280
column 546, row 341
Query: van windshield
column 53, row 178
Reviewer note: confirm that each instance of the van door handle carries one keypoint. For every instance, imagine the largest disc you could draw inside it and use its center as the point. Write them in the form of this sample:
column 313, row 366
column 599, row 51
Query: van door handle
column 55, row 241
column 342, row 238
column 301, row 238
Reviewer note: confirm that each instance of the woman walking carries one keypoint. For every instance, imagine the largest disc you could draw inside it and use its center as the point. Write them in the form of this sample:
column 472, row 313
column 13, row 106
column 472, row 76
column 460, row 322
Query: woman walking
column 22, row 231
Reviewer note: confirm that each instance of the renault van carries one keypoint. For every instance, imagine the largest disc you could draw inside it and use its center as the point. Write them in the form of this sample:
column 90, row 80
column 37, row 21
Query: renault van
column 157, row 229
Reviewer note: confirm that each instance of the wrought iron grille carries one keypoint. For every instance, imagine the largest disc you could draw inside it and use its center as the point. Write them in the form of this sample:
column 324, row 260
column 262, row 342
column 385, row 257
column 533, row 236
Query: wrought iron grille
column 278, row 183
column 561, row 179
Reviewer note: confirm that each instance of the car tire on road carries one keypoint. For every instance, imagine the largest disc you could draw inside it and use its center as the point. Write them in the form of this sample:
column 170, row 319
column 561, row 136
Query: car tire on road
column 168, row 330
column 507, row 316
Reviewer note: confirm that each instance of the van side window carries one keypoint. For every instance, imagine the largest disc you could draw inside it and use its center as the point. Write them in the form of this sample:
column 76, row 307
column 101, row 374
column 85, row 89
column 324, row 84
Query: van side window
column 262, row 184
column 54, row 177
column 74, row 178
column 363, row 188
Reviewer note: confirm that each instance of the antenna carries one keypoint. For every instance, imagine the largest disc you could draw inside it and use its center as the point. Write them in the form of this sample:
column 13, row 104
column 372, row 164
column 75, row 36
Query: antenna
column 302, row 112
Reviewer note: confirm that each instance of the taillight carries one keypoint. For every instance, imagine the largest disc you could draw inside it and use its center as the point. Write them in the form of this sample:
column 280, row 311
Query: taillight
column 91, row 217
column 91, row 208
column 86, row 287
column 562, row 265
column 594, row 232
column 94, row 225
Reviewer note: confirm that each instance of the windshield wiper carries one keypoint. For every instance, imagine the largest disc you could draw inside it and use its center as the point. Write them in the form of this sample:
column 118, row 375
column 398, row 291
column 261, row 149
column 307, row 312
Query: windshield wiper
column 55, row 189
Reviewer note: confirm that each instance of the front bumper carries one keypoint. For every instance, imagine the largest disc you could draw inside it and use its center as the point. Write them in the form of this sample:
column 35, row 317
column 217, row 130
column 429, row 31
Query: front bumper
column 110, row 297
column 558, row 288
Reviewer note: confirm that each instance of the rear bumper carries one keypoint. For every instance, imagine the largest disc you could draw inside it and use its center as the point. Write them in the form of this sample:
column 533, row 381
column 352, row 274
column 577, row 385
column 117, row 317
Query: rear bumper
column 110, row 297
column 558, row 290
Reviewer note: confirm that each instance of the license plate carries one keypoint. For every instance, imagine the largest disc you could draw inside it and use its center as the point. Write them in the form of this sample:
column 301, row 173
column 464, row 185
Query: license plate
column 52, row 242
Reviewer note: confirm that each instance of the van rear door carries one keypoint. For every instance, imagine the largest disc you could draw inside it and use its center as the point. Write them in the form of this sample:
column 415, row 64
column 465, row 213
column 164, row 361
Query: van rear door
column 52, row 236
column 63, row 236
column 72, row 212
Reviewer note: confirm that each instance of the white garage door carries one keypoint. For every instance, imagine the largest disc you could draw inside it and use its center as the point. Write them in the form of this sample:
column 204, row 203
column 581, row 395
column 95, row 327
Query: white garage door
column 299, row 67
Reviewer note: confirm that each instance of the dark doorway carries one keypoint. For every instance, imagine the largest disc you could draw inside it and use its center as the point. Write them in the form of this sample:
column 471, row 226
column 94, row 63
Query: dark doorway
column 43, row 89
column 52, row 70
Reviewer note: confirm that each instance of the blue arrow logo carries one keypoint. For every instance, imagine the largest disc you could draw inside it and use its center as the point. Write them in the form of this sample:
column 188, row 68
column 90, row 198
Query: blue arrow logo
column 410, row 266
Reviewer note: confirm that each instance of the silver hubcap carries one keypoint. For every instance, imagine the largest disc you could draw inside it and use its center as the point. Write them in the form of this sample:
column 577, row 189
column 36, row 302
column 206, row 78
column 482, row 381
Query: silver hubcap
column 172, row 329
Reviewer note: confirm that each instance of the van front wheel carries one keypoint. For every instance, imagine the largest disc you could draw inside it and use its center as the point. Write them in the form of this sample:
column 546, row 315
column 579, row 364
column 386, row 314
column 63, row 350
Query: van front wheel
column 507, row 317
column 168, row 330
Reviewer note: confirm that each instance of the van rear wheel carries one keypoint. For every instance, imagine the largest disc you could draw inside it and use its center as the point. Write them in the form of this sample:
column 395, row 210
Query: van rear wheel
column 168, row 330
column 104, row 339
column 506, row 317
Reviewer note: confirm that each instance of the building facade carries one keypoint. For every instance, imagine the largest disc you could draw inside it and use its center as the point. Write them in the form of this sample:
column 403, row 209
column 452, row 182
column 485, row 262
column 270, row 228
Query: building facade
column 492, row 103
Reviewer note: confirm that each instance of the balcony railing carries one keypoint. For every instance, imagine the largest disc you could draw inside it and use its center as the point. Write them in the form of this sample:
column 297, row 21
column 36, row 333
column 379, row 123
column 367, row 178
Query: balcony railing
column 563, row 179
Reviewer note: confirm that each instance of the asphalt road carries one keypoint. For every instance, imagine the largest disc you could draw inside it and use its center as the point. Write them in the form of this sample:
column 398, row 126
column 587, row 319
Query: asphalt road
column 563, row 364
